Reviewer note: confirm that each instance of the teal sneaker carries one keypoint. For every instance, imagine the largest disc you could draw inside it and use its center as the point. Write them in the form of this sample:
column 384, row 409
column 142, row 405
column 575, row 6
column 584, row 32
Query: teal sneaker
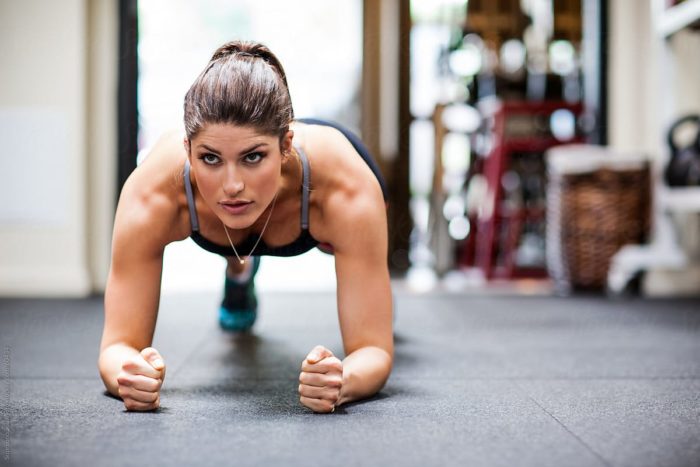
column 239, row 308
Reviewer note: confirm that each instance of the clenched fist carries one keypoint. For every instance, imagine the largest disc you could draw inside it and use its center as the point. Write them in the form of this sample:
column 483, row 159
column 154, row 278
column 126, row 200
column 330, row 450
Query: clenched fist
column 140, row 380
column 321, row 380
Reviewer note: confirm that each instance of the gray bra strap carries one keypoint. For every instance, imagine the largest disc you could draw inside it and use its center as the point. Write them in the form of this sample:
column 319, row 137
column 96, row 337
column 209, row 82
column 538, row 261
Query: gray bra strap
column 305, row 188
column 190, row 198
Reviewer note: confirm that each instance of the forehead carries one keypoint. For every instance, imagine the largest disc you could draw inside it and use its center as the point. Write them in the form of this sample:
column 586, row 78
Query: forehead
column 231, row 134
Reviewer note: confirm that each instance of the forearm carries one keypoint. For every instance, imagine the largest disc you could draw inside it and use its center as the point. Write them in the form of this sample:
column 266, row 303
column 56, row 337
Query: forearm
column 110, row 364
column 365, row 371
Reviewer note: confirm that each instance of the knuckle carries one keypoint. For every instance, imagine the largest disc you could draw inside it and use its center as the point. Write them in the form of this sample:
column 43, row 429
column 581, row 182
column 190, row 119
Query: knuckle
column 335, row 382
column 127, row 364
column 150, row 385
column 123, row 379
column 124, row 391
column 130, row 364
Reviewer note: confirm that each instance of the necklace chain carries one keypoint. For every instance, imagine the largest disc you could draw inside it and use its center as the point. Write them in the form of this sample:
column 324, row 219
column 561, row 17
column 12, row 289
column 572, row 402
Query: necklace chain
column 242, row 261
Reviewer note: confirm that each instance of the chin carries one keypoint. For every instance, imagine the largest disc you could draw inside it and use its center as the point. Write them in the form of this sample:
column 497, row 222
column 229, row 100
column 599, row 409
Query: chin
column 237, row 221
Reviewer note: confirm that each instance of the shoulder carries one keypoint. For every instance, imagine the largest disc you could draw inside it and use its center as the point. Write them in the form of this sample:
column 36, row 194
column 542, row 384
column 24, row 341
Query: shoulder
column 348, row 194
column 337, row 168
column 149, row 209
column 143, row 221
column 328, row 144
column 356, row 222
column 164, row 157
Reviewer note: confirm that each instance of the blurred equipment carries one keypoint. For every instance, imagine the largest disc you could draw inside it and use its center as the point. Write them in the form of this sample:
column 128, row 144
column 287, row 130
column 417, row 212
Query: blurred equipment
column 504, row 86
column 597, row 202
column 683, row 167
column 510, row 229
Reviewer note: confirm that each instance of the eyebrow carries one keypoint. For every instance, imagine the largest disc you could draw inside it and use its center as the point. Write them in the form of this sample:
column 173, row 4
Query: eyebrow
column 245, row 151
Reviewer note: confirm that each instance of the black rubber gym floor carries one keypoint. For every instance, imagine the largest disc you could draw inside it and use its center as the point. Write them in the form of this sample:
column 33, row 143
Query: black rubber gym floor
column 478, row 381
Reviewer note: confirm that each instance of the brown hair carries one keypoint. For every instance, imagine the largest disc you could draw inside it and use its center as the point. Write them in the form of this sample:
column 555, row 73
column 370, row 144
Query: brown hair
column 243, row 84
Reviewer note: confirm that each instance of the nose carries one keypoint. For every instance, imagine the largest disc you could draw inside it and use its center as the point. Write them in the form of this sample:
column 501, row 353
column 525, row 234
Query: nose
column 232, row 183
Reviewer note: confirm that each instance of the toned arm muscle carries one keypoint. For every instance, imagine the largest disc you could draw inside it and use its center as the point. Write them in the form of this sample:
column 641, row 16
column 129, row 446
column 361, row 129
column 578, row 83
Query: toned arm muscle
column 364, row 295
column 133, row 285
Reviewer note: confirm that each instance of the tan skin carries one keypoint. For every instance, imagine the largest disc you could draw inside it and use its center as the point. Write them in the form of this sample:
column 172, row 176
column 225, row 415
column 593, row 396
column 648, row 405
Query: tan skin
column 232, row 162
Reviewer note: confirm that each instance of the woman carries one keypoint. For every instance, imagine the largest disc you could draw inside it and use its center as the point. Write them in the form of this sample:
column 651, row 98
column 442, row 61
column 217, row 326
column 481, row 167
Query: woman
column 248, row 181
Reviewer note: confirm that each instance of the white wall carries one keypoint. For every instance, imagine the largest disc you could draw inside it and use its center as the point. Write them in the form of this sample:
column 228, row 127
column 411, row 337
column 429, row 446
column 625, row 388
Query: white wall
column 631, row 77
column 103, row 71
column 45, row 129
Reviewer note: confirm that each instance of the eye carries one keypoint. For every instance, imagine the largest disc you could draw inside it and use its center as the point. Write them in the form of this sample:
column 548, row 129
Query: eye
column 210, row 159
column 254, row 157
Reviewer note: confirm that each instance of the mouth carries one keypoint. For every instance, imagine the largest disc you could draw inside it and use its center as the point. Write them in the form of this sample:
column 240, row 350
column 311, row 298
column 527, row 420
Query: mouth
column 234, row 203
column 235, row 207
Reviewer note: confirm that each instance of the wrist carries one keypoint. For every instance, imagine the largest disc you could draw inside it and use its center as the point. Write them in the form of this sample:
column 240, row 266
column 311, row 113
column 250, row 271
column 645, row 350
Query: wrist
column 345, row 389
column 110, row 364
column 365, row 371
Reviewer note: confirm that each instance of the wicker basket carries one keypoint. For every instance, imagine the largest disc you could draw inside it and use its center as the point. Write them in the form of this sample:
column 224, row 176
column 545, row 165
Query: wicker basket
column 597, row 201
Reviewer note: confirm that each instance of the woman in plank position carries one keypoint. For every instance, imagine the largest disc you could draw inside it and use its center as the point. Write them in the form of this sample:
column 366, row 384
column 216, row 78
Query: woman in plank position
column 250, row 180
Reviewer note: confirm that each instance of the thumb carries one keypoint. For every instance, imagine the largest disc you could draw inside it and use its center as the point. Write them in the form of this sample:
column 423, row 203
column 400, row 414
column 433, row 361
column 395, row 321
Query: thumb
column 153, row 357
column 318, row 353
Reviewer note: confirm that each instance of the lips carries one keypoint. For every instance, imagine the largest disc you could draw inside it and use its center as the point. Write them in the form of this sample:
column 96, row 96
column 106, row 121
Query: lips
column 235, row 203
column 235, row 207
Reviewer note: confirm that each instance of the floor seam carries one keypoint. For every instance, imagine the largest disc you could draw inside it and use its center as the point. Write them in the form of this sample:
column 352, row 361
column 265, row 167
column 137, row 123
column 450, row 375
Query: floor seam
column 177, row 370
column 560, row 423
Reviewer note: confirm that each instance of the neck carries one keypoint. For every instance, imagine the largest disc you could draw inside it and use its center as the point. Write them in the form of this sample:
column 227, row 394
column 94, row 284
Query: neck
column 258, row 227
column 291, row 175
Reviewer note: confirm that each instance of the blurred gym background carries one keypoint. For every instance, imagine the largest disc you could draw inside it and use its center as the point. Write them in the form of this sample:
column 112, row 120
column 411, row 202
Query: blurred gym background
column 527, row 143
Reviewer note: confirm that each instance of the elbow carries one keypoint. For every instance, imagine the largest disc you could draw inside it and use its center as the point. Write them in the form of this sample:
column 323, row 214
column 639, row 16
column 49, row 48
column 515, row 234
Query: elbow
column 387, row 363
column 389, row 353
column 388, row 350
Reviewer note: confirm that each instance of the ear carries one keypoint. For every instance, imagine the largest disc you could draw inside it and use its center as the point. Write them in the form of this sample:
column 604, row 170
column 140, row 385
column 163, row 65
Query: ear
column 286, row 145
column 186, row 144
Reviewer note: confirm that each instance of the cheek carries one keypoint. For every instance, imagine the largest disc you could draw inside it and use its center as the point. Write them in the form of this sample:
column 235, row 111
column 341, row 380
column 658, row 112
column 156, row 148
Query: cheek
column 207, row 184
column 269, row 177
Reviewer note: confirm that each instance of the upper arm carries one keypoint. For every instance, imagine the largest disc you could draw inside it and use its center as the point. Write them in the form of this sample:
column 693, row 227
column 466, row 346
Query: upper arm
column 133, row 285
column 359, row 230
